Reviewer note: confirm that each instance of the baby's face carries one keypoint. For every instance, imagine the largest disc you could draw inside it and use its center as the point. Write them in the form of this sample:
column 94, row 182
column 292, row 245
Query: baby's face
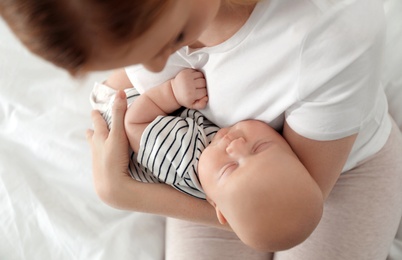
column 240, row 159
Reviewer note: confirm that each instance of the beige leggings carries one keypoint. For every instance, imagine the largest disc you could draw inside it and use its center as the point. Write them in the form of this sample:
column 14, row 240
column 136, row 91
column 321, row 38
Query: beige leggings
column 360, row 219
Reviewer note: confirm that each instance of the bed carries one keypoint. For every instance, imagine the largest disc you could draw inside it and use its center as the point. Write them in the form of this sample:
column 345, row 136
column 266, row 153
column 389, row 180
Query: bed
column 48, row 206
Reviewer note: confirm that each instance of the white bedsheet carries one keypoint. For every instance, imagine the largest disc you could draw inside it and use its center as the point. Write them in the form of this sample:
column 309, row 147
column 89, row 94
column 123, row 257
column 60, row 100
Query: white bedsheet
column 48, row 207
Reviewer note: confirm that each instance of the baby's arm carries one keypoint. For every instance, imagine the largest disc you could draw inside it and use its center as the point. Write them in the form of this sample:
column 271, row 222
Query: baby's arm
column 187, row 89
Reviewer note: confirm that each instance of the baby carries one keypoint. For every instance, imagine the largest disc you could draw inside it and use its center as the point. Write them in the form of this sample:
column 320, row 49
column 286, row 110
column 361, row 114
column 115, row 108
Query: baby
column 230, row 167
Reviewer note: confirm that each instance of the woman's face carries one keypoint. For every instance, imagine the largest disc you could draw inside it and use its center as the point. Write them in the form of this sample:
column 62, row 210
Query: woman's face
column 181, row 24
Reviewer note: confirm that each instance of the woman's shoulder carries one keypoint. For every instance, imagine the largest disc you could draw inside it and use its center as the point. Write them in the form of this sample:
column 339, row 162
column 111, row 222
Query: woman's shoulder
column 345, row 31
column 350, row 18
column 344, row 20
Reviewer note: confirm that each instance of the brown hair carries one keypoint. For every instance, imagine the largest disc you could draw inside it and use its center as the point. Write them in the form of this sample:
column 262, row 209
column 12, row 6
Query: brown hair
column 243, row 2
column 65, row 32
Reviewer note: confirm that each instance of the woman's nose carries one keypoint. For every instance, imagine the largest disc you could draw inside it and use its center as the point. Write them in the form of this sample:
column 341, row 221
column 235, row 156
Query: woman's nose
column 159, row 62
column 237, row 148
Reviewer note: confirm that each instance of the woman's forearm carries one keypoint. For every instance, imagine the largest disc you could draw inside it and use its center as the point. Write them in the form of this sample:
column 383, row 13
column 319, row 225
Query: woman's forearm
column 161, row 199
column 116, row 188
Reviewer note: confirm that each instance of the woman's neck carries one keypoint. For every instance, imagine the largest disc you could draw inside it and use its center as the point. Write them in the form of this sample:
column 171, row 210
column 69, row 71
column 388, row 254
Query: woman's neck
column 227, row 22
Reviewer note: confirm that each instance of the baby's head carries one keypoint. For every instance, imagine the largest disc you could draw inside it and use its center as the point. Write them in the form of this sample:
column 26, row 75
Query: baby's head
column 241, row 172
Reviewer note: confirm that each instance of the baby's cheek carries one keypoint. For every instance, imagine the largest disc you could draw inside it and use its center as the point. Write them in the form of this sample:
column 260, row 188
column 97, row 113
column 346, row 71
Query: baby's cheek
column 206, row 167
column 202, row 168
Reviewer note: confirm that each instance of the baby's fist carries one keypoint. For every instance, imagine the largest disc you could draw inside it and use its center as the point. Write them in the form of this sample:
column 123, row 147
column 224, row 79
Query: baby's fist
column 190, row 90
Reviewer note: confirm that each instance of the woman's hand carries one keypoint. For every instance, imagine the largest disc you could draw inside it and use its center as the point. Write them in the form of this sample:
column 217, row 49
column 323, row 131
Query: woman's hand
column 115, row 186
column 110, row 152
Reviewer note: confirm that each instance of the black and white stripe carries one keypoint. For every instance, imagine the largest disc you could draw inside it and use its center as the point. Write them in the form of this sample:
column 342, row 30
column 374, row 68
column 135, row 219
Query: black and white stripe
column 170, row 148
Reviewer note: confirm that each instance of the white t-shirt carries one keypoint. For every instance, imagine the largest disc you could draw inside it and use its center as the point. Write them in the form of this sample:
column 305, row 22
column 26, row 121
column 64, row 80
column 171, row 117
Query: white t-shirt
column 315, row 64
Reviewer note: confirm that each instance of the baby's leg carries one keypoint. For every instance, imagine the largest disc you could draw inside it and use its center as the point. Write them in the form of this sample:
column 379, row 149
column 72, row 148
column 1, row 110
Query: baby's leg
column 102, row 98
column 362, row 213
column 119, row 80
column 186, row 240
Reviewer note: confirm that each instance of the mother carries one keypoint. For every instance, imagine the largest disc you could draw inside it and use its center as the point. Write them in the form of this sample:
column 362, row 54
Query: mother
column 309, row 68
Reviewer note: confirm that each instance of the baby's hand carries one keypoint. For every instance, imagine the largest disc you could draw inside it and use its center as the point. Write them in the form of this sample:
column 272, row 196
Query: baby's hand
column 190, row 90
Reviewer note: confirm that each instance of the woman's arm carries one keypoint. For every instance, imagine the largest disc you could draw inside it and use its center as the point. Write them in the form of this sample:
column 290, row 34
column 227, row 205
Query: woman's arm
column 302, row 194
column 324, row 160
column 116, row 188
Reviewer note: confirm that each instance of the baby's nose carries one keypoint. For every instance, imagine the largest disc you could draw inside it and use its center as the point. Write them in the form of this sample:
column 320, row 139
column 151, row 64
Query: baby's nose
column 237, row 148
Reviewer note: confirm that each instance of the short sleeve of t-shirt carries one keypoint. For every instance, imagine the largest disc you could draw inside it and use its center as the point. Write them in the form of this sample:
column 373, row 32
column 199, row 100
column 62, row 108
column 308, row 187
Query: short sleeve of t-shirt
column 335, row 102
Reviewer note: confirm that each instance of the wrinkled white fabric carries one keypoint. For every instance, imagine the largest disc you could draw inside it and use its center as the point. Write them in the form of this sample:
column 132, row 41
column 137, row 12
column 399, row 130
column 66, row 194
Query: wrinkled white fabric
column 49, row 209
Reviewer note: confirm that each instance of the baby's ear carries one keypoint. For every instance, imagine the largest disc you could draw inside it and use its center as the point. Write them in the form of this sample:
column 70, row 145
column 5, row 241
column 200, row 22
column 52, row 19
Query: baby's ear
column 219, row 214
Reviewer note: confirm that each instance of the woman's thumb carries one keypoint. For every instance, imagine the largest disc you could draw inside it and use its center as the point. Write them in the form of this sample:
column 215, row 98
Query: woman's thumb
column 118, row 111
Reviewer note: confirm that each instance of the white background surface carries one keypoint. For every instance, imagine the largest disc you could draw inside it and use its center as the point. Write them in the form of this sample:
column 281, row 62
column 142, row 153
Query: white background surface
column 48, row 207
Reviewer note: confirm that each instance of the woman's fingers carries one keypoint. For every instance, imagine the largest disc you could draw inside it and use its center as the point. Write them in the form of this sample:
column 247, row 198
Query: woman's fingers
column 100, row 127
column 89, row 135
column 118, row 113
column 117, row 140
column 101, row 131
column 110, row 156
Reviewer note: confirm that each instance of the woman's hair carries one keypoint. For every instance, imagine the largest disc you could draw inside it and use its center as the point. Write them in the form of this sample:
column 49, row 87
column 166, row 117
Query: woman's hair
column 65, row 32
column 242, row 2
